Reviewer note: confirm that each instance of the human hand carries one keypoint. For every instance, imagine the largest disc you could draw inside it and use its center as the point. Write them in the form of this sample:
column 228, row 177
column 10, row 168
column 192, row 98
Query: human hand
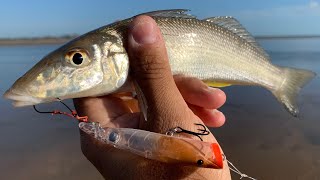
column 172, row 102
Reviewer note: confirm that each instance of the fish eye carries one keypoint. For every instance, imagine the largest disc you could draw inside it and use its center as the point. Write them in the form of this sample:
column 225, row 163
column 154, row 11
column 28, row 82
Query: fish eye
column 200, row 162
column 77, row 58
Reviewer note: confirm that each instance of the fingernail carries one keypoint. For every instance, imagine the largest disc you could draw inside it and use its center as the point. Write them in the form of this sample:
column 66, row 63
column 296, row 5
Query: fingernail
column 211, row 89
column 216, row 112
column 218, row 92
column 144, row 32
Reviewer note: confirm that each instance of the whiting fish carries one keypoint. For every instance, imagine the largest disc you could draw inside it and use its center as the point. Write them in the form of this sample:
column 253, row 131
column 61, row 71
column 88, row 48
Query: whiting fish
column 217, row 50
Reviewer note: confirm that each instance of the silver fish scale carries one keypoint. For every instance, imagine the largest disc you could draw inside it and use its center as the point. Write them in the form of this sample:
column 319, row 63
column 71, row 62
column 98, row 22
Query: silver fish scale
column 198, row 48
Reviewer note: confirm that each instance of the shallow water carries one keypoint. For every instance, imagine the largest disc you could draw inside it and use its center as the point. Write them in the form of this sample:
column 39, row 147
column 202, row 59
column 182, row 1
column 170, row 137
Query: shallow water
column 259, row 137
column 32, row 145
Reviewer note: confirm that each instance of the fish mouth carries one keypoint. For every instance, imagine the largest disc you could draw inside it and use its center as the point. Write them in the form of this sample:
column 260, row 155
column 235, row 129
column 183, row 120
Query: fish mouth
column 20, row 100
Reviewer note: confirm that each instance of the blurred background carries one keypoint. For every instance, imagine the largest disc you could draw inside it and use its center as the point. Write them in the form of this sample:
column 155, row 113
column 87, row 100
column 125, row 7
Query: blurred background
column 259, row 137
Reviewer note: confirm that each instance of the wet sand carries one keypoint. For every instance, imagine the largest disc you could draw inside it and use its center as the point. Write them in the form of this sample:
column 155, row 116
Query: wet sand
column 264, row 141
column 259, row 137
column 36, row 146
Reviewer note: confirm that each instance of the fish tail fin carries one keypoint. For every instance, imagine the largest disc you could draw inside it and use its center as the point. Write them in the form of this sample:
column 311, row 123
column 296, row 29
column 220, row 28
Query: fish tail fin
column 294, row 80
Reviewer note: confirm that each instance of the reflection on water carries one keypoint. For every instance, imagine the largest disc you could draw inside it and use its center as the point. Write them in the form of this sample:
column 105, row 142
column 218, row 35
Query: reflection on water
column 264, row 140
column 260, row 137
column 36, row 146
column 292, row 45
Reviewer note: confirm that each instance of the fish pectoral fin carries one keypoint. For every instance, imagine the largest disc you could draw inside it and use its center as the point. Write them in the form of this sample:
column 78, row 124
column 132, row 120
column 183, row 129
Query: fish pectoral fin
column 217, row 84
column 142, row 101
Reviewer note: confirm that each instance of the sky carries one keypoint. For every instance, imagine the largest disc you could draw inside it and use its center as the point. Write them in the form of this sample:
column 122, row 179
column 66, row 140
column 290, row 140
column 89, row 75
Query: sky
column 35, row 18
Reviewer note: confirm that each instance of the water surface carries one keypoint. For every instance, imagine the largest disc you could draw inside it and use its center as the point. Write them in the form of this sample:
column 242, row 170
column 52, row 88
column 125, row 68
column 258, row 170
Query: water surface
column 264, row 140
column 36, row 146
column 259, row 137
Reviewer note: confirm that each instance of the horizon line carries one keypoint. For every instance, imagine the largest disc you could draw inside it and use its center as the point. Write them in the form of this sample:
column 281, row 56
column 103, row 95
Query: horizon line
column 74, row 35
column 65, row 38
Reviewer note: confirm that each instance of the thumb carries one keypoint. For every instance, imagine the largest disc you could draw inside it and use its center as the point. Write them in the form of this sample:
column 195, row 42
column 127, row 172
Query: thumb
column 151, row 70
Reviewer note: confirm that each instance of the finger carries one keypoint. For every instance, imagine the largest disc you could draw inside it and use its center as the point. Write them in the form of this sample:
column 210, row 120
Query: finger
column 210, row 117
column 196, row 92
column 151, row 70
column 101, row 109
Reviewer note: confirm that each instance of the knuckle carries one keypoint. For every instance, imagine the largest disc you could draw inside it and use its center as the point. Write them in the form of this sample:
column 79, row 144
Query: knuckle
column 150, row 65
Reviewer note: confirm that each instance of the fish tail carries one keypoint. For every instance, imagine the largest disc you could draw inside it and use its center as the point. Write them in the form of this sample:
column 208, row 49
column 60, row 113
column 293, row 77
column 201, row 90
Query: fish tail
column 293, row 82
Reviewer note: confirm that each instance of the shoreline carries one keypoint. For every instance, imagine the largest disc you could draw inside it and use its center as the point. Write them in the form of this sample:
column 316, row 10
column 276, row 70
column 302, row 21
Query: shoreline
column 64, row 39
column 287, row 37
column 35, row 41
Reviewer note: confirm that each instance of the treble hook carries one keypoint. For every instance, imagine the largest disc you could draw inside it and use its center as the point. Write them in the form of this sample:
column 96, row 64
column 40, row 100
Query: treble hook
column 179, row 129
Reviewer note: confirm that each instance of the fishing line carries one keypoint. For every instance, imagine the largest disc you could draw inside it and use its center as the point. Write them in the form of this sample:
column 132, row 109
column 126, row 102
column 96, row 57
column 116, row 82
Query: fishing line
column 65, row 105
column 73, row 113
column 236, row 170
column 202, row 132
column 178, row 129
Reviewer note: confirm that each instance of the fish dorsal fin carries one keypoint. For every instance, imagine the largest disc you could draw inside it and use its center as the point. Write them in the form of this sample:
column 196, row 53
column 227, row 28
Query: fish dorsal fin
column 234, row 26
column 172, row 13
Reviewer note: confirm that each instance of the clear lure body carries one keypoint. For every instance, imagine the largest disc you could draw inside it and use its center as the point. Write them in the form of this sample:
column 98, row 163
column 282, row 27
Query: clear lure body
column 164, row 148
